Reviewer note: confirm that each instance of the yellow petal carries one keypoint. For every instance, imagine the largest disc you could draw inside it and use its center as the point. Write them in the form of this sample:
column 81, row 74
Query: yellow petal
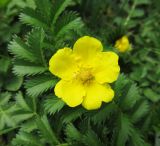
column 106, row 69
column 62, row 64
column 71, row 92
column 108, row 92
column 122, row 44
column 95, row 94
column 86, row 48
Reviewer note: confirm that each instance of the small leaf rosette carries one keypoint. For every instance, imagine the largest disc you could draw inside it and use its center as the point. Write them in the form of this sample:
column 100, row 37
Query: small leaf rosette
column 85, row 73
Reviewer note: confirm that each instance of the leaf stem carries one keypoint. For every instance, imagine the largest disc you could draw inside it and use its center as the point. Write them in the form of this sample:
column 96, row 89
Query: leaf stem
column 130, row 13
column 41, row 51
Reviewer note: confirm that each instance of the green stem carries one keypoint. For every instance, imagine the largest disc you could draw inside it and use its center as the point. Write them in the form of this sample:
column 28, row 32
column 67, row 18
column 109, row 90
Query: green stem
column 41, row 51
column 45, row 128
column 8, row 130
column 130, row 13
column 43, row 59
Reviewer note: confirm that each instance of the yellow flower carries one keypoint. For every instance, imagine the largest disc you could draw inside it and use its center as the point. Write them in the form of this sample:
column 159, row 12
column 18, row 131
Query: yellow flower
column 85, row 73
column 122, row 44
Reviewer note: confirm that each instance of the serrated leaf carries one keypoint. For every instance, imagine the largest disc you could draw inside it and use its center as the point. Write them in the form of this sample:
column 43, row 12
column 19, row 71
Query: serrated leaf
column 91, row 139
column 101, row 115
column 21, row 51
column 21, row 102
column 19, row 117
column 29, row 126
column 6, row 113
column 53, row 105
column 142, row 110
column 4, row 98
column 72, row 133
column 40, row 84
column 25, row 139
column 7, row 130
column 13, row 83
column 132, row 96
column 137, row 138
column 44, row 126
column 71, row 115
column 31, row 17
column 35, row 39
column 125, row 128
column 44, row 7
column 69, row 21
column 22, row 70
column 59, row 7
column 120, row 84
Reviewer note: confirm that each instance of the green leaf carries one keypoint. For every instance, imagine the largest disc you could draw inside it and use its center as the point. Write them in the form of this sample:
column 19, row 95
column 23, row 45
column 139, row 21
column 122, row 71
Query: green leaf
column 26, row 139
column 13, row 83
column 131, row 97
column 33, row 18
column 151, row 95
column 72, row 133
column 105, row 112
column 12, row 113
column 69, row 21
column 21, row 51
column 19, row 117
column 44, row 8
column 59, row 7
column 1, row 80
column 6, row 113
column 138, row 13
column 29, row 56
column 5, row 63
column 125, row 128
column 157, row 137
column 91, row 139
column 72, row 114
column 120, row 84
column 142, row 2
column 53, row 105
column 4, row 98
column 44, row 126
column 40, row 84
column 7, row 130
column 138, row 73
column 137, row 138
column 29, row 125
column 21, row 102
column 22, row 70
column 141, row 111
column 3, row 3
column 35, row 40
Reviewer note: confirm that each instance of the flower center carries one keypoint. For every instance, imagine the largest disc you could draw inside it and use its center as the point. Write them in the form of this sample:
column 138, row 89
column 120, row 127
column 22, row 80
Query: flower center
column 85, row 76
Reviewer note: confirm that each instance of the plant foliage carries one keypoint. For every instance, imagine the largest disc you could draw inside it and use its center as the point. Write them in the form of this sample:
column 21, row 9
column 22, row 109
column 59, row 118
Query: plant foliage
column 30, row 113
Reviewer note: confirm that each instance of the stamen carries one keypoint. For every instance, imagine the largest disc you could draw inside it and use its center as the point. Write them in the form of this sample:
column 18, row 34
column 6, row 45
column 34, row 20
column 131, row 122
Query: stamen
column 85, row 75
